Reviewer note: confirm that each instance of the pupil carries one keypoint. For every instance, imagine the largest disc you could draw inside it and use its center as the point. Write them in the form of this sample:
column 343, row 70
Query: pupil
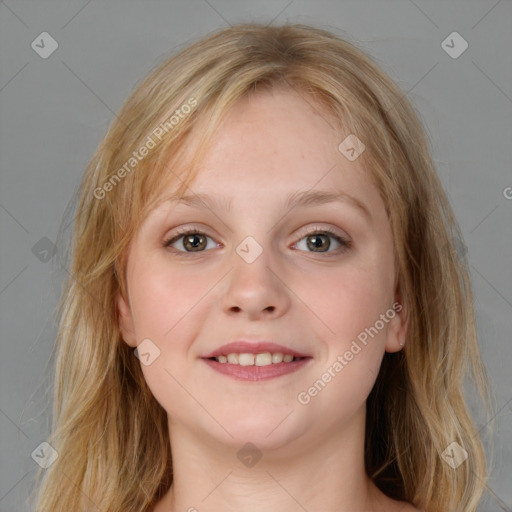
column 317, row 242
column 194, row 241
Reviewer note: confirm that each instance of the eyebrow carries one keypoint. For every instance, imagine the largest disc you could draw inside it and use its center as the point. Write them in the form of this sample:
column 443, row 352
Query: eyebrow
column 307, row 198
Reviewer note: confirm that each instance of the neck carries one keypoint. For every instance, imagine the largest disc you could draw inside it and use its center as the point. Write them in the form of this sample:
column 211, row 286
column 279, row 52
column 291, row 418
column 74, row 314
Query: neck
column 305, row 474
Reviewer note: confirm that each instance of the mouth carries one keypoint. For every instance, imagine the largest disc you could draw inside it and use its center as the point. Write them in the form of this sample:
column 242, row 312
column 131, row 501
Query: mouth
column 255, row 361
column 261, row 359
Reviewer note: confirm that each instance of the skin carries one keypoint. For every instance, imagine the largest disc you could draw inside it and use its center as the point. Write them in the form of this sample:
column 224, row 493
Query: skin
column 190, row 303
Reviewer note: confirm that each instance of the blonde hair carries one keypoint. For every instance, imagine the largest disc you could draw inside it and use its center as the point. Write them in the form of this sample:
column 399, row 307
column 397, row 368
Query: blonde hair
column 109, row 431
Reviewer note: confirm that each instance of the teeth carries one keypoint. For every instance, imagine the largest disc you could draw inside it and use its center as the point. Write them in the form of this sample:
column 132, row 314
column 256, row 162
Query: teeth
column 246, row 359
column 277, row 357
column 233, row 358
column 263, row 359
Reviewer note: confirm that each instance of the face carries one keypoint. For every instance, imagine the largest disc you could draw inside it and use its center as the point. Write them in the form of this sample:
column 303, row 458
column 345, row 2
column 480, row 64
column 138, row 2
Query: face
column 315, row 277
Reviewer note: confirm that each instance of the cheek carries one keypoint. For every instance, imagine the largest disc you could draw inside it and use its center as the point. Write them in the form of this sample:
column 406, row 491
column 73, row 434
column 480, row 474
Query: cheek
column 162, row 299
column 165, row 305
column 349, row 299
column 350, row 303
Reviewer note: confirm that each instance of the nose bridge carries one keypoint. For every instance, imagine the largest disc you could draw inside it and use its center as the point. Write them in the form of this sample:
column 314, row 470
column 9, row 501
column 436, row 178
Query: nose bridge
column 254, row 287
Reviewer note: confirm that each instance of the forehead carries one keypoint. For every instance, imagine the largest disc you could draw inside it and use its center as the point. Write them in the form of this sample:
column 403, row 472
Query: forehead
column 273, row 141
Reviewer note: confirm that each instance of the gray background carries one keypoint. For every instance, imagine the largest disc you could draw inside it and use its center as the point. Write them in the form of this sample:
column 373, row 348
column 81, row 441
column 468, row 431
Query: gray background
column 55, row 111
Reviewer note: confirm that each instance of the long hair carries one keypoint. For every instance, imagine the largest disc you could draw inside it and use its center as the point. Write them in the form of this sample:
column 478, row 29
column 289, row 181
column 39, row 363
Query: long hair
column 110, row 433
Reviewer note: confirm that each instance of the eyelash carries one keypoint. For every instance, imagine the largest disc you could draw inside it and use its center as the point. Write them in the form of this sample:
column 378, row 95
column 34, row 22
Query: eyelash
column 345, row 244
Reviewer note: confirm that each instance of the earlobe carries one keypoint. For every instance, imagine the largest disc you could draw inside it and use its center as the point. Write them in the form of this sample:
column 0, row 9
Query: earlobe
column 126, row 322
column 397, row 328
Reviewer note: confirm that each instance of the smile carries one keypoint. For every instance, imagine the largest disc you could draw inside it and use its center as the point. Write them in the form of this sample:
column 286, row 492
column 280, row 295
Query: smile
column 256, row 367
column 262, row 359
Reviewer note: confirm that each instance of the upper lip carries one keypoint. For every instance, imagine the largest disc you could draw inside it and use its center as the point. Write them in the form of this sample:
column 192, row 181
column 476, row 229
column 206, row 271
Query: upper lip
column 253, row 347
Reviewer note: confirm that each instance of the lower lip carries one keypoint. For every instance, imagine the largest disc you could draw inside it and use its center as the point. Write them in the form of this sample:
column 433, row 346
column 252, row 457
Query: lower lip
column 257, row 373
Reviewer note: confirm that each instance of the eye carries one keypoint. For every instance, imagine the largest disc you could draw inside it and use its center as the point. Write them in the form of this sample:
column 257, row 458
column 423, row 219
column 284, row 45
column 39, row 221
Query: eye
column 319, row 241
column 189, row 240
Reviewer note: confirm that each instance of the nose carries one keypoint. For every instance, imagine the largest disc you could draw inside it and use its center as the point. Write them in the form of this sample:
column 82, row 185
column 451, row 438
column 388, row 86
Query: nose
column 255, row 289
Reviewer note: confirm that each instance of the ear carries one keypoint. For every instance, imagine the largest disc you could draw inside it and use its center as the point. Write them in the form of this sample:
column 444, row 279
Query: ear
column 398, row 328
column 126, row 322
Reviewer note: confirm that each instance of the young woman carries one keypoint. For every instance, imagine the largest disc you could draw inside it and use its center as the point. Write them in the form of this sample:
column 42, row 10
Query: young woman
column 266, row 309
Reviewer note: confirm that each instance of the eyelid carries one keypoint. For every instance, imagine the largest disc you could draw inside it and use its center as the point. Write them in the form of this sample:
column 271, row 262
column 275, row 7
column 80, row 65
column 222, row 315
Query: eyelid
column 189, row 228
column 342, row 238
column 327, row 229
column 182, row 231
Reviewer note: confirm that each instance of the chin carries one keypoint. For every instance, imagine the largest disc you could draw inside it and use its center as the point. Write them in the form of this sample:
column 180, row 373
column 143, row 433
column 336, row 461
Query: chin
column 267, row 432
